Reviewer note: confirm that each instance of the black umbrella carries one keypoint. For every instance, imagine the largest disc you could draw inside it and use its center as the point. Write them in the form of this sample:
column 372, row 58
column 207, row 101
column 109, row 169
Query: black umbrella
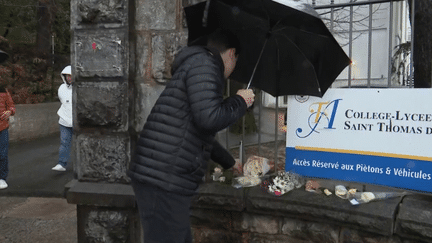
column 285, row 50
column 3, row 56
column 196, row 23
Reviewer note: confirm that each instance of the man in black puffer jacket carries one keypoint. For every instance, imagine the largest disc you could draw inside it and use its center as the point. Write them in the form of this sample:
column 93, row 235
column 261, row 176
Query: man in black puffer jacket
column 179, row 137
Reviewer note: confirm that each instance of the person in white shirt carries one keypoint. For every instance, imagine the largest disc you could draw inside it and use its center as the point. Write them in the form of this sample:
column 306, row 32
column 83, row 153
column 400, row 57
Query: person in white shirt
column 65, row 120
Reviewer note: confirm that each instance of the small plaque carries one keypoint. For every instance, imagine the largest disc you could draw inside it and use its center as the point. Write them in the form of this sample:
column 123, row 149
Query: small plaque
column 101, row 55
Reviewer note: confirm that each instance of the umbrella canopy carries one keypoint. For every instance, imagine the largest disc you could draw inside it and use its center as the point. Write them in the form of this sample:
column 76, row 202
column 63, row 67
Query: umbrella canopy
column 196, row 23
column 285, row 50
column 3, row 56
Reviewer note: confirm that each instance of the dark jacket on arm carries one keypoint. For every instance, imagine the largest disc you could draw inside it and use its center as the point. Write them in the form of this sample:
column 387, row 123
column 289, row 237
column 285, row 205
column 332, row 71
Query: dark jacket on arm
column 178, row 138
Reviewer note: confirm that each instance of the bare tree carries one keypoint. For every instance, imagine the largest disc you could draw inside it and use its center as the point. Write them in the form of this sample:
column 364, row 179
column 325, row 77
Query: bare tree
column 45, row 18
column 343, row 19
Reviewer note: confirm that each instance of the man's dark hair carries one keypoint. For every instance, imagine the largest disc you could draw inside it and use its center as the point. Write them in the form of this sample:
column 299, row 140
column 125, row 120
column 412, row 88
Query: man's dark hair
column 223, row 40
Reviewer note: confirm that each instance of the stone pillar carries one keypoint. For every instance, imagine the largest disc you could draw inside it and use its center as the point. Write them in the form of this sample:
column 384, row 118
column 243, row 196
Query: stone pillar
column 103, row 69
column 122, row 51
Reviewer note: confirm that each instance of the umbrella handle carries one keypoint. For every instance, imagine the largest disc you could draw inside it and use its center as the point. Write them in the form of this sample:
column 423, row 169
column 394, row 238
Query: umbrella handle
column 256, row 65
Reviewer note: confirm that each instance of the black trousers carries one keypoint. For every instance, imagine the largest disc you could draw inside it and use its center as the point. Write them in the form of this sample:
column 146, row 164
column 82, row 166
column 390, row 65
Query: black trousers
column 165, row 216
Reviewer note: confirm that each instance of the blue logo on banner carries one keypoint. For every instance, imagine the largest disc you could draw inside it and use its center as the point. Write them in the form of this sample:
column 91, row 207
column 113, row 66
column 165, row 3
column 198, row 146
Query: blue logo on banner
column 321, row 112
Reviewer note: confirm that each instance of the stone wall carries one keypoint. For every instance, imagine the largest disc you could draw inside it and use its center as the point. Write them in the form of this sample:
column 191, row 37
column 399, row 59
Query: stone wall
column 33, row 121
column 160, row 34
column 222, row 213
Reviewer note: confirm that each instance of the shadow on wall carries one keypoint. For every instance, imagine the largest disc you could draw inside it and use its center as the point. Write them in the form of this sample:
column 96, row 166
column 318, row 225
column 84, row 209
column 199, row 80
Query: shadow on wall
column 33, row 121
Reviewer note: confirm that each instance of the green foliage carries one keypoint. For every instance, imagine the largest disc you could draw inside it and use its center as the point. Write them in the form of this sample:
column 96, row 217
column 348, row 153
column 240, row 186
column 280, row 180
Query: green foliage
column 29, row 77
column 18, row 20
column 28, row 80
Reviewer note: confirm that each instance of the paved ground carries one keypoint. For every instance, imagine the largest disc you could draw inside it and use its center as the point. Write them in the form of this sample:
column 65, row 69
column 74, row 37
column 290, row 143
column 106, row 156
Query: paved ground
column 37, row 220
column 30, row 171
column 33, row 207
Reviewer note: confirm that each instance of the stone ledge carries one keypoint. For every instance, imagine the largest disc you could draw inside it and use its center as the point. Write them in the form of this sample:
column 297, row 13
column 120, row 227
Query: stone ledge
column 376, row 217
column 411, row 219
column 415, row 217
column 69, row 185
column 220, row 196
column 101, row 194
column 238, row 211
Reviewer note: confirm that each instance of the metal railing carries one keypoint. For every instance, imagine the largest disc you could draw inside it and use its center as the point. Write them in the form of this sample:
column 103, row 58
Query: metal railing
column 374, row 11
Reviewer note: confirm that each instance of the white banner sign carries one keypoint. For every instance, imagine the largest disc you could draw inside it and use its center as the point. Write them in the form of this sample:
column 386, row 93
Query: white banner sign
column 377, row 136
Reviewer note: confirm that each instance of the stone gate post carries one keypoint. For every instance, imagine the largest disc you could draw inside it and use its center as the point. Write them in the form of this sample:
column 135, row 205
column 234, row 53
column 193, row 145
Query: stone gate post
column 122, row 52
column 103, row 101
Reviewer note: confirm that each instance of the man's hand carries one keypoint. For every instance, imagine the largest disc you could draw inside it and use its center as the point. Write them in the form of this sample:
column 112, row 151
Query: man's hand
column 5, row 115
column 247, row 95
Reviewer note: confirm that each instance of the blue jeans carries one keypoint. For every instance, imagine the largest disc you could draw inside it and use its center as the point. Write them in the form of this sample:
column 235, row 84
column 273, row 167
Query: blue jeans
column 65, row 145
column 4, row 158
